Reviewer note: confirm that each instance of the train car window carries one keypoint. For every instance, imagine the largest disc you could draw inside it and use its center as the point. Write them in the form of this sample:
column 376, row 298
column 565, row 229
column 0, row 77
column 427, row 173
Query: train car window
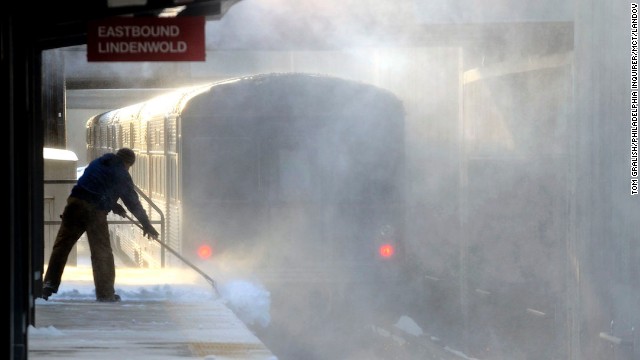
column 113, row 140
column 136, row 133
column 140, row 172
column 103, row 135
column 171, row 136
column 172, row 189
column 97, row 138
column 144, row 133
column 158, row 175
column 134, row 170
column 157, row 180
column 157, row 138
column 117, row 136
column 155, row 127
column 153, row 178
column 131, row 135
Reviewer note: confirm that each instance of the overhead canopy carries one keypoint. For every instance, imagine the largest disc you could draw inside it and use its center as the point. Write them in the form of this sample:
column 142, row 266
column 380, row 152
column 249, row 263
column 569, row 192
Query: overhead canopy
column 57, row 24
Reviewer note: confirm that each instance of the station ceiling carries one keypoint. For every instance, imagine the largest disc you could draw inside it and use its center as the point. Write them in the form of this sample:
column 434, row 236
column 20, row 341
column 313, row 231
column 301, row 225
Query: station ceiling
column 58, row 24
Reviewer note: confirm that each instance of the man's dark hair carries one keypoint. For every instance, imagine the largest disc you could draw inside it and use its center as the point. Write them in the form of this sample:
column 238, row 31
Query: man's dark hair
column 127, row 155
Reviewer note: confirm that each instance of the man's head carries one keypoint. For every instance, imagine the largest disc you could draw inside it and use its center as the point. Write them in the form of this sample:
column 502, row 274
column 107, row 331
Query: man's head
column 127, row 155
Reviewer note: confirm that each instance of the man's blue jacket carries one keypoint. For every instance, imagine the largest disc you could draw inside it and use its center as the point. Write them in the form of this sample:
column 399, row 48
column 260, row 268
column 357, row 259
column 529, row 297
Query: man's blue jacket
column 106, row 180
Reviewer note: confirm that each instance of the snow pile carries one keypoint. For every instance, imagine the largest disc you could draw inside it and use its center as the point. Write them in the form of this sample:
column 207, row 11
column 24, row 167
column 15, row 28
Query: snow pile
column 409, row 326
column 48, row 331
column 249, row 301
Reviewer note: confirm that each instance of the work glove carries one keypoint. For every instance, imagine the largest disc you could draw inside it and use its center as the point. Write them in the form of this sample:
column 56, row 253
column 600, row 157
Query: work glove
column 119, row 210
column 149, row 231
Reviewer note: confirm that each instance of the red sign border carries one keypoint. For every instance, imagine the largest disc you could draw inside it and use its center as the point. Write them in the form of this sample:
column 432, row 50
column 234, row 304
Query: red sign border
column 191, row 34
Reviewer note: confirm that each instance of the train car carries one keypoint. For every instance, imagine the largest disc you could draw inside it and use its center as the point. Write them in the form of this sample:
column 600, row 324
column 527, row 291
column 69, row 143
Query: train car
column 281, row 175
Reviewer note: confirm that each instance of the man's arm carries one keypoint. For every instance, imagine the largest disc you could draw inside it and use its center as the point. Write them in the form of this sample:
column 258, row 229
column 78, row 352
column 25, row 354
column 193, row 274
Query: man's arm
column 131, row 200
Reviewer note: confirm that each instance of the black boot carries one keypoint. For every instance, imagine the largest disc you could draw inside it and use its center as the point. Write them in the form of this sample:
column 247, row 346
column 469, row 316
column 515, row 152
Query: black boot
column 48, row 290
column 114, row 298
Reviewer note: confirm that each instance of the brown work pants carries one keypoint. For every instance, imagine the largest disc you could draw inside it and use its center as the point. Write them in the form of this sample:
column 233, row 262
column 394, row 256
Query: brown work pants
column 80, row 216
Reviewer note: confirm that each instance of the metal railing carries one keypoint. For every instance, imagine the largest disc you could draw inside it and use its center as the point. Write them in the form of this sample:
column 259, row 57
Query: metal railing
column 163, row 245
column 143, row 195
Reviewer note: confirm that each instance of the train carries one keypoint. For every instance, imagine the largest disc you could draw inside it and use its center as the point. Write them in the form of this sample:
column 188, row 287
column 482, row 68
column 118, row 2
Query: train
column 302, row 178
column 281, row 174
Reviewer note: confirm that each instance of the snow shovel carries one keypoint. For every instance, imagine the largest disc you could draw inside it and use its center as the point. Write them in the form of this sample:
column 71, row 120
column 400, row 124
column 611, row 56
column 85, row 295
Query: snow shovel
column 177, row 254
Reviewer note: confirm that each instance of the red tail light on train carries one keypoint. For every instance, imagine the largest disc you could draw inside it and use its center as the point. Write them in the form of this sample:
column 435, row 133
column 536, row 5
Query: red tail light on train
column 386, row 242
column 386, row 251
column 204, row 251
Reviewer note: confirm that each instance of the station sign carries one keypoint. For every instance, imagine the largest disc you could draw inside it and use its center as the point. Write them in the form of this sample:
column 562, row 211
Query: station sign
column 146, row 39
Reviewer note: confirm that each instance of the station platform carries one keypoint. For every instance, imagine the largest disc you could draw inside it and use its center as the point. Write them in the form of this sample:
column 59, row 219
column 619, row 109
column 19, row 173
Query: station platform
column 164, row 314
column 80, row 329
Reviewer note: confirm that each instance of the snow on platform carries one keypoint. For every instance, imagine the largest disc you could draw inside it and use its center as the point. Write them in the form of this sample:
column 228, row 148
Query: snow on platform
column 164, row 314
